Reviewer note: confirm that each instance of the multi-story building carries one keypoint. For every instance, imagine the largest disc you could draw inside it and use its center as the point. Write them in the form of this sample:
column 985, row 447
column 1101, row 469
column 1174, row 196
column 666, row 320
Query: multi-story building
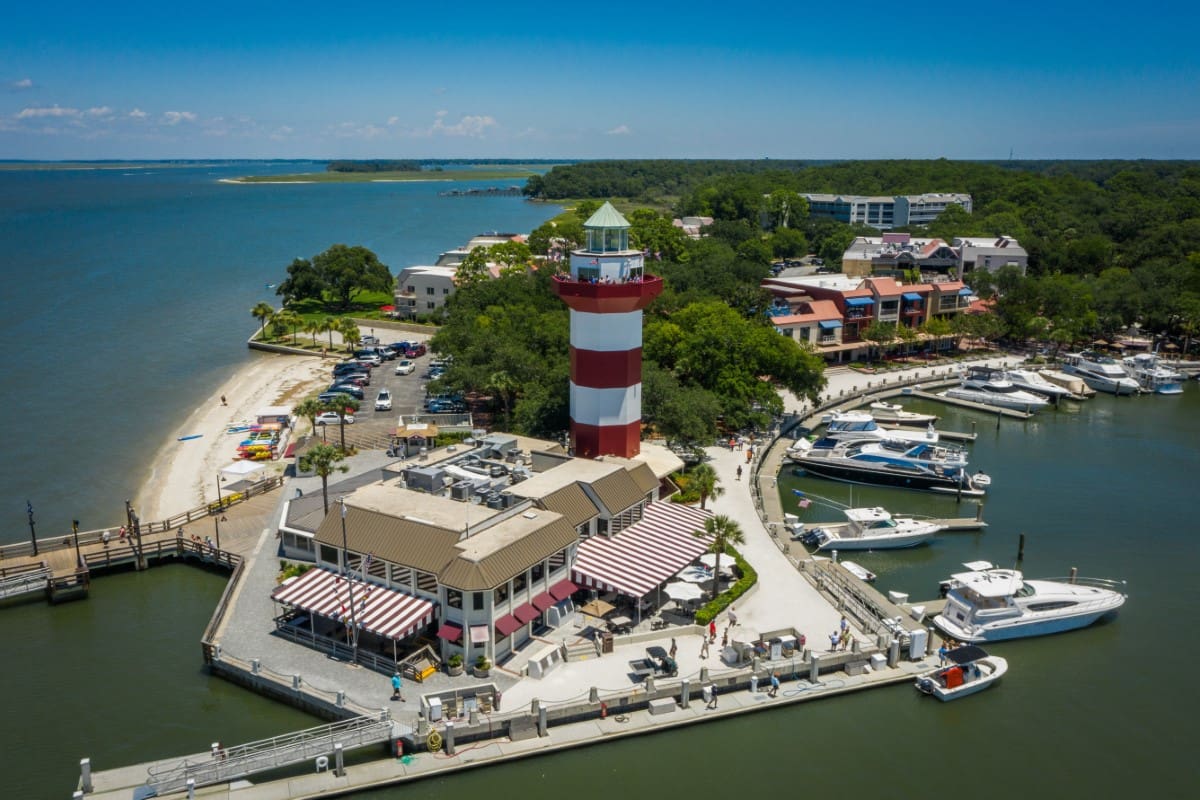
column 989, row 253
column 897, row 255
column 422, row 290
column 884, row 212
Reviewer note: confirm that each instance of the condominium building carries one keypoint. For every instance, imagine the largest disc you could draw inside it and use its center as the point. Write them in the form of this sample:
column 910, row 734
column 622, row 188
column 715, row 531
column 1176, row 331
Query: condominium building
column 884, row 212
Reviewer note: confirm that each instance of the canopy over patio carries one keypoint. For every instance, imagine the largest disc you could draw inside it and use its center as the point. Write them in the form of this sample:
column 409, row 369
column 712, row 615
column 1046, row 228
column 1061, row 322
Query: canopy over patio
column 639, row 558
column 243, row 470
column 379, row 610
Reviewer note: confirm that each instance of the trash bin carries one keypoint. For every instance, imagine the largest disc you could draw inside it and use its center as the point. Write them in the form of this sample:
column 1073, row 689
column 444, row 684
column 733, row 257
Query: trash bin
column 606, row 643
column 776, row 649
column 435, row 709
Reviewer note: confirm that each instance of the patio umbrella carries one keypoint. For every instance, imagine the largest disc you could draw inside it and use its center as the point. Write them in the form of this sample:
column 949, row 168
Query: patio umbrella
column 695, row 575
column 387, row 308
column 597, row 608
column 1100, row 343
column 683, row 592
column 1170, row 346
column 710, row 560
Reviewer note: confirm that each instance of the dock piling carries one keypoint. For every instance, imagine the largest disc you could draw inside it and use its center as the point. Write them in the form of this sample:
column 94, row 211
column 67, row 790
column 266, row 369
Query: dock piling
column 1021, row 548
column 191, row 788
column 1074, row 573
column 893, row 653
column 814, row 669
column 85, row 775
column 684, row 692
column 449, row 739
column 339, row 757
column 542, row 722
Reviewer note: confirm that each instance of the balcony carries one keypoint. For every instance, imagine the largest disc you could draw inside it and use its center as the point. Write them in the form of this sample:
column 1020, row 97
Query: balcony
column 599, row 297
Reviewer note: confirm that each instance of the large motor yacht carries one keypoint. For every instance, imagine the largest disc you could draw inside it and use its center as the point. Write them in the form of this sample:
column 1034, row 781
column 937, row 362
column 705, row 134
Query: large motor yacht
column 1100, row 372
column 869, row 529
column 989, row 387
column 931, row 467
column 1031, row 380
column 988, row 604
column 1152, row 375
column 851, row 426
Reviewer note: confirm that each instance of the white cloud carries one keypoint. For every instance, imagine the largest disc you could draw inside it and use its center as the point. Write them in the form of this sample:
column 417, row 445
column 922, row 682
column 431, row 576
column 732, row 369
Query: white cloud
column 620, row 130
column 176, row 117
column 24, row 83
column 472, row 125
column 393, row 121
column 100, row 111
column 137, row 113
column 47, row 111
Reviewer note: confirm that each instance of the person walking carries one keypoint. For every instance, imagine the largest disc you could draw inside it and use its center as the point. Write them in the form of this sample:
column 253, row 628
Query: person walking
column 673, row 647
column 712, row 695
column 739, row 472
column 774, row 690
column 704, row 647
column 732, row 619
column 397, row 687
column 712, row 630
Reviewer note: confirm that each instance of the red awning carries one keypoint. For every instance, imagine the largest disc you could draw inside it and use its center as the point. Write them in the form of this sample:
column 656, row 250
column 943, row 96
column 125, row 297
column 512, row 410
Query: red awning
column 526, row 613
column 507, row 624
column 646, row 553
column 450, row 632
column 563, row 589
column 543, row 601
column 377, row 609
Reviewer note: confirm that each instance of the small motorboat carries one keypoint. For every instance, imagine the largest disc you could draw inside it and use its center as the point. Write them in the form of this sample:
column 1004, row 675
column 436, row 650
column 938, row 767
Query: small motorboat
column 894, row 412
column 867, row 529
column 971, row 670
column 859, row 571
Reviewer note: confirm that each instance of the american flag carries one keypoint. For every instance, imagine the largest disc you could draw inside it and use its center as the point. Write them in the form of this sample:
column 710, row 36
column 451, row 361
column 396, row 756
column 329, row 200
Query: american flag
column 804, row 502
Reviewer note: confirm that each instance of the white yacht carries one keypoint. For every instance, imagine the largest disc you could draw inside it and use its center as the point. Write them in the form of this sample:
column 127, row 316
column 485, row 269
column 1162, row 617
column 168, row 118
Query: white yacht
column 1152, row 375
column 988, row 386
column 988, row 604
column 853, row 426
column 1031, row 380
column 894, row 412
column 869, row 529
column 1100, row 372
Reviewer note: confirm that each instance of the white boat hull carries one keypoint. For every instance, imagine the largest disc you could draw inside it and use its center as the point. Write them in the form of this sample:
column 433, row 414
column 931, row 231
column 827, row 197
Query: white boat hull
column 998, row 400
column 991, row 669
column 897, row 541
column 1020, row 628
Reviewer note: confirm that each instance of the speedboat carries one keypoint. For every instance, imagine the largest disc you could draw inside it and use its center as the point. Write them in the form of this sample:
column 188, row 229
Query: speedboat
column 931, row 467
column 988, row 604
column 1032, row 381
column 859, row 571
column 847, row 426
column 870, row 529
column 1100, row 372
column 1152, row 375
column 894, row 412
column 971, row 670
column 988, row 386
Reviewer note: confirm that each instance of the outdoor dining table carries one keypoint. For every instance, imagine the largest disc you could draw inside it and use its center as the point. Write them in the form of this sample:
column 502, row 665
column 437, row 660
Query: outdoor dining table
column 620, row 623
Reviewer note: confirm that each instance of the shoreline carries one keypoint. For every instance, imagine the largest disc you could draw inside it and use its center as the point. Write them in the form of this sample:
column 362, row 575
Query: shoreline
column 184, row 474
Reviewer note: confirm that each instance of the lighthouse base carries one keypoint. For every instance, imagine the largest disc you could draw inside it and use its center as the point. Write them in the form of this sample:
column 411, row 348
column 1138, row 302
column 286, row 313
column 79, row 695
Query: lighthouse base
column 590, row 441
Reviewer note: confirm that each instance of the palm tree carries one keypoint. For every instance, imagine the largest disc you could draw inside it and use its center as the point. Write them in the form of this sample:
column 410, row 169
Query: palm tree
column 263, row 313
column 313, row 326
column 290, row 320
column 324, row 460
column 724, row 532
column 705, row 479
column 350, row 333
column 503, row 384
column 329, row 325
column 343, row 405
column 309, row 408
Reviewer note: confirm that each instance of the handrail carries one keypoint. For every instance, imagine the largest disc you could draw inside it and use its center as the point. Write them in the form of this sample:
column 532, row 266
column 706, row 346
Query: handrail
column 1113, row 584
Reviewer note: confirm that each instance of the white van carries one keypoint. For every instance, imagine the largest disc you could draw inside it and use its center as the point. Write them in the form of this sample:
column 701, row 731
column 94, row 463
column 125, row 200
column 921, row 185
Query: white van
column 384, row 401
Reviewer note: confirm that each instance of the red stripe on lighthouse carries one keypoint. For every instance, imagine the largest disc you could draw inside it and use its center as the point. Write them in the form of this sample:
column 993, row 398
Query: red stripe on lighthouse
column 606, row 369
column 591, row 441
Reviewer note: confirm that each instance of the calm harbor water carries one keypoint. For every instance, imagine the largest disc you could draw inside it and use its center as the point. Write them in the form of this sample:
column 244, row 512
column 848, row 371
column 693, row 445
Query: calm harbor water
column 128, row 296
column 1107, row 486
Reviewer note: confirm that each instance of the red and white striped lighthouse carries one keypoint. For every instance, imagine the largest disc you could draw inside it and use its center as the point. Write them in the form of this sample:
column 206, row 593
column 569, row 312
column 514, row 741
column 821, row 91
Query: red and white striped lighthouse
column 606, row 290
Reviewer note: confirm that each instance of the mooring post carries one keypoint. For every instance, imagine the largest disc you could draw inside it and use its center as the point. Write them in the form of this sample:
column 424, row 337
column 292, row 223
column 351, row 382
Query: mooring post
column 449, row 738
column 593, row 695
column 649, row 684
column 997, row 419
column 684, row 692
column 814, row 669
column 704, row 674
column 1074, row 573
column 979, row 514
column 296, row 682
column 1021, row 548
column 341, row 698
column 85, row 774
column 893, row 653
column 255, row 666
column 339, row 760
column 541, row 721
column 191, row 788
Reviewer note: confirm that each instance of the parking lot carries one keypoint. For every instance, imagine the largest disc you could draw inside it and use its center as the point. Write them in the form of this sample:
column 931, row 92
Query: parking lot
column 408, row 392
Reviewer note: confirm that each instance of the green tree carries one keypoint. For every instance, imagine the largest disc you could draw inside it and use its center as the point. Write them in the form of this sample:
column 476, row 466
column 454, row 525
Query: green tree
column 473, row 269
column 707, row 484
column 936, row 328
column 290, row 321
column 313, row 327
column 346, row 270
column 351, row 335
column 263, row 312
column 343, row 406
column 786, row 206
column 309, row 408
column 880, row 334
column 324, row 460
column 725, row 533
column 303, row 282
column 329, row 325
column 512, row 257
column 505, row 386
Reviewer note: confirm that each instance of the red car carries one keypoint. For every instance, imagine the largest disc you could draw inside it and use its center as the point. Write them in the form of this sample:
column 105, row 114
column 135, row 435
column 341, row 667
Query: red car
column 415, row 350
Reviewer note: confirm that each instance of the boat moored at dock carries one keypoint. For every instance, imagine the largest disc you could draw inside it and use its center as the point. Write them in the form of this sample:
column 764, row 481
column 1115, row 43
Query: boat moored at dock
column 928, row 467
column 992, row 388
column 1152, row 375
column 894, row 412
column 971, row 670
column 1100, row 372
column 869, row 529
column 1031, row 380
column 988, row 604
column 849, row 426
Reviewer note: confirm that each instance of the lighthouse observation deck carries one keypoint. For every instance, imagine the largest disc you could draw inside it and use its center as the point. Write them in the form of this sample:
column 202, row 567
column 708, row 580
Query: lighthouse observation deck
column 600, row 294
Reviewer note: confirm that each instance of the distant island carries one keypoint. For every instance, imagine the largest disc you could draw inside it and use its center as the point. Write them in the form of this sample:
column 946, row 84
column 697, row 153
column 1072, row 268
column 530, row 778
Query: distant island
column 357, row 171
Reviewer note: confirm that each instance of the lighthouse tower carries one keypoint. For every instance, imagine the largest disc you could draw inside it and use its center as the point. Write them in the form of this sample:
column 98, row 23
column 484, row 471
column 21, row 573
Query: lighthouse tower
column 606, row 290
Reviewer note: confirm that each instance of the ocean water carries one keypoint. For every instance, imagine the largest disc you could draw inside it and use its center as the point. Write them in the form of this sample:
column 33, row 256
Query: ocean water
column 128, row 296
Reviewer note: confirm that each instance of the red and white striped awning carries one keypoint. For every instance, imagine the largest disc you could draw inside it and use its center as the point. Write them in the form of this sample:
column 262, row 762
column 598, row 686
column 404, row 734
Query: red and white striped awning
column 639, row 558
column 377, row 609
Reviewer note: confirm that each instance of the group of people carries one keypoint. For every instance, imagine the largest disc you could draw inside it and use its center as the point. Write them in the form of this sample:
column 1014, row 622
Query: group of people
column 842, row 638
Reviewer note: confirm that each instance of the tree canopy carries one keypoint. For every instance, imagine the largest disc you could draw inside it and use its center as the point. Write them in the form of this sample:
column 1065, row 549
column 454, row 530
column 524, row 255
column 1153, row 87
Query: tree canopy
column 337, row 273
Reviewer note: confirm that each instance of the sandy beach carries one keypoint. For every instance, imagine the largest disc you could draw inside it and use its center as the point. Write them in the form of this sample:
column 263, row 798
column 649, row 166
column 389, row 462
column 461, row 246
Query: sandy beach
column 185, row 473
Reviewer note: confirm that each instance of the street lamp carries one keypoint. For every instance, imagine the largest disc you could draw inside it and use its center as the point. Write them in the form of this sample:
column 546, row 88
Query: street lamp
column 32, row 530
column 349, row 584
column 75, row 533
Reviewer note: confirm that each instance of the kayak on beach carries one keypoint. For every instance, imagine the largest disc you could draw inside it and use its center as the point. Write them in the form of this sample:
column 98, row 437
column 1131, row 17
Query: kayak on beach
column 193, row 436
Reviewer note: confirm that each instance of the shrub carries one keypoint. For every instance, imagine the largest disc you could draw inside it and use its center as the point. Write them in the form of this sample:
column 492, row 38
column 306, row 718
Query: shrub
column 712, row 609
column 455, row 660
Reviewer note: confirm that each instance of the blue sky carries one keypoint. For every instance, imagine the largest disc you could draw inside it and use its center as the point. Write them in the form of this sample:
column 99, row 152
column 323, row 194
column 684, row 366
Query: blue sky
column 560, row 80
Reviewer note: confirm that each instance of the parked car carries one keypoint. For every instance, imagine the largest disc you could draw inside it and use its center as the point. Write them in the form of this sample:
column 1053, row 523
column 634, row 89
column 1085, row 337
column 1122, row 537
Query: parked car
column 369, row 356
column 348, row 388
column 415, row 350
column 384, row 401
column 353, row 379
column 405, row 367
column 330, row 418
column 399, row 347
column 385, row 353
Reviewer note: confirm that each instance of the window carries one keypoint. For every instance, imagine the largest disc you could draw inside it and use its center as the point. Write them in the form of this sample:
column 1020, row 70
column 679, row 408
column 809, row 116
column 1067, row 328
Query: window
column 500, row 595
column 537, row 572
column 427, row 582
column 446, row 290
column 402, row 576
column 558, row 561
column 431, row 304
column 353, row 561
column 329, row 554
column 519, row 583
column 377, row 568
column 454, row 598
column 410, row 289
column 601, row 525
column 428, row 290
column 477, row 601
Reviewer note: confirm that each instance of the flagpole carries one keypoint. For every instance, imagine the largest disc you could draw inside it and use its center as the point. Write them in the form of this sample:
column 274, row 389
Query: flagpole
column 349, row 585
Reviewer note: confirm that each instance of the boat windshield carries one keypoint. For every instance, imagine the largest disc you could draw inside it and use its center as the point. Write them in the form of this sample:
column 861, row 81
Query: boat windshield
column 1025, row 591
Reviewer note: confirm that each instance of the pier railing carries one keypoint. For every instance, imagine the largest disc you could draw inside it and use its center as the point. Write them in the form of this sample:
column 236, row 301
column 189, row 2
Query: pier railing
column 230, row 763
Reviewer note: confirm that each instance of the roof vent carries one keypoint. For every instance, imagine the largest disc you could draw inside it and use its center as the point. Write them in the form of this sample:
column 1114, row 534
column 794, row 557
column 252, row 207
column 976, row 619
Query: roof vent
column 529, row 515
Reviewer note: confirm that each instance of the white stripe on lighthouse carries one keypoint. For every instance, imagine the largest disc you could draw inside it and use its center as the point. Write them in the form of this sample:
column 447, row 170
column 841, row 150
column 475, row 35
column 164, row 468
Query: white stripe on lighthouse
column 606, row 406
column 616, row 331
